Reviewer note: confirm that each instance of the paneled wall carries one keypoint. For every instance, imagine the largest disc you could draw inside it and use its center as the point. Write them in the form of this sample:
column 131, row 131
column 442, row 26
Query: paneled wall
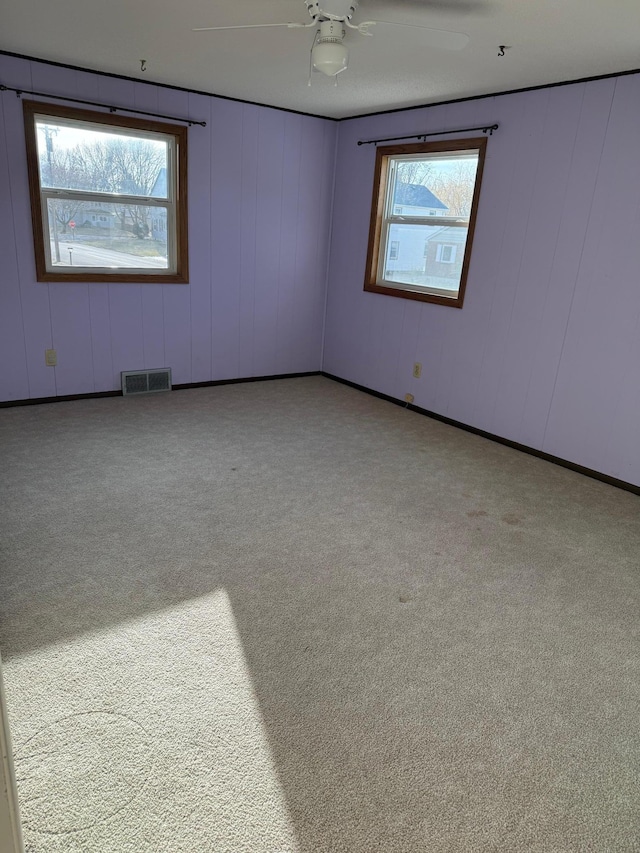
column 260, row 183
column 546, row 350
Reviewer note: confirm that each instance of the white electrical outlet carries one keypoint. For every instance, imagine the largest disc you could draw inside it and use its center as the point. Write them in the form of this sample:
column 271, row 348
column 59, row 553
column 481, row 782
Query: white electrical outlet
column 417, row 370
column 409, row 398
column 50, row 357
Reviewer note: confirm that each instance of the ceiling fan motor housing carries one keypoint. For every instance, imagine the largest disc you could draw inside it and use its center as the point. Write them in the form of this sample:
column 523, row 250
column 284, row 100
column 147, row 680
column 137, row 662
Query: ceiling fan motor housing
column 331, row 10
column 331, row 32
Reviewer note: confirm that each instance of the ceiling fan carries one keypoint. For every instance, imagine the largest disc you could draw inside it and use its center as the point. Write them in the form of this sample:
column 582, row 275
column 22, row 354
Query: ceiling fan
column 333, row 18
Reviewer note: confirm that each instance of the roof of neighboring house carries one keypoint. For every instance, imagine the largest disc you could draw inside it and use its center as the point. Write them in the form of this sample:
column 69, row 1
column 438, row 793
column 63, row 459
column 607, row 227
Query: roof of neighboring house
column 416, row 195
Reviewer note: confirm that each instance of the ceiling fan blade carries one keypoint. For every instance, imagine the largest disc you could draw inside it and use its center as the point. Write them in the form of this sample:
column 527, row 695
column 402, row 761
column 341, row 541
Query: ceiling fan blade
column 250, row 27
column 452, row 6
column 445, row 39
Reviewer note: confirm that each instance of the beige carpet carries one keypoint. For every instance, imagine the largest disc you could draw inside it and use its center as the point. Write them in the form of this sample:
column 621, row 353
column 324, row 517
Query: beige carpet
column 287, row 616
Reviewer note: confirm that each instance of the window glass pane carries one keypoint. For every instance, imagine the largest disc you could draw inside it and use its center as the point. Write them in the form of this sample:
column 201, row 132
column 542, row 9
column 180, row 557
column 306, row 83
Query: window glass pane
column 81, row 158
column 426, row 256
column 107, row 235
column 435, row 185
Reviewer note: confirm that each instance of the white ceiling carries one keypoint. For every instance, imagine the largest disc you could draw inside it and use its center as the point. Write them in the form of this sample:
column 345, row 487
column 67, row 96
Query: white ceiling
column 549, row 41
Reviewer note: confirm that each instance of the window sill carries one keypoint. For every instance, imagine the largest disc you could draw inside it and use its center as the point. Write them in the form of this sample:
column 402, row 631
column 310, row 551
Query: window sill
column 418, row 294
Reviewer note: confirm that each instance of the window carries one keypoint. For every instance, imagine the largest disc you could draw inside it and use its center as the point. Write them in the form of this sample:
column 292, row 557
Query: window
column 437, row 186
column 445, row 254
column 108, row 196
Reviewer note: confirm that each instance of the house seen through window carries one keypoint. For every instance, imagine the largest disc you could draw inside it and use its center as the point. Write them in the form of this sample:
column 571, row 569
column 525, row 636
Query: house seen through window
column 423, row 213
column 108, row 196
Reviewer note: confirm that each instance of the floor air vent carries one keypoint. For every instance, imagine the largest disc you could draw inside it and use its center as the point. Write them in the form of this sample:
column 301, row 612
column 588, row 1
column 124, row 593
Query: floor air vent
column 146, row 381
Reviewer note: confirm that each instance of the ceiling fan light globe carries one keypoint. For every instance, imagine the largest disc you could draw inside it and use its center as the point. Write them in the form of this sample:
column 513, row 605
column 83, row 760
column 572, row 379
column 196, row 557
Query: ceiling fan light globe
column 330, row 57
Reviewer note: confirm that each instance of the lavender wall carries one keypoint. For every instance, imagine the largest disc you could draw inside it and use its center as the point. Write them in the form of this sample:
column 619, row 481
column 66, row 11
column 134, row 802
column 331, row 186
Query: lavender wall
column 259, row 216
column 546, row 350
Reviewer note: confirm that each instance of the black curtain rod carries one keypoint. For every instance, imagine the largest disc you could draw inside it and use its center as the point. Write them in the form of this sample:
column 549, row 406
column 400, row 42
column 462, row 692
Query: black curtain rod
column 111, row 109
column 489, row 128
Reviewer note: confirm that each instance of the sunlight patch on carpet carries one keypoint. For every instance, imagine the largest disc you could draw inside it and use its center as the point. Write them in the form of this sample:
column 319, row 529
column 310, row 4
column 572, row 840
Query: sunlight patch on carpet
column 146, row 735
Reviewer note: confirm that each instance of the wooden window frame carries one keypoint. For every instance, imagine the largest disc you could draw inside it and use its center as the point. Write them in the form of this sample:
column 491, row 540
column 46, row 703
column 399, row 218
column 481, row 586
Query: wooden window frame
column 373, row 283
column 180, row 275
